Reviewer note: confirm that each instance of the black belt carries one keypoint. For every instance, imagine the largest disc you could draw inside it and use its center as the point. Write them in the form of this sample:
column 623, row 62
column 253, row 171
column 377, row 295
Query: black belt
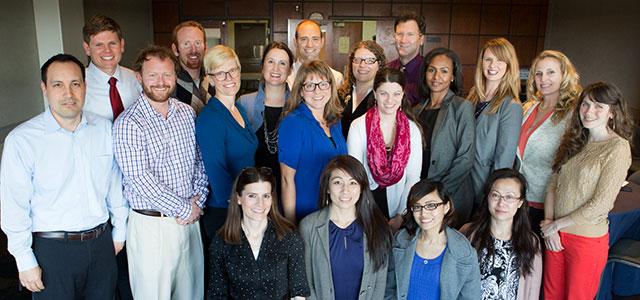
column 150, row 213
column 73, row 235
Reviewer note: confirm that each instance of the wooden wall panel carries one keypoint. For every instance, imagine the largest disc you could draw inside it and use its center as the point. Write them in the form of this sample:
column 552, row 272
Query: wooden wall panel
column 495, row 19
column 347, row 9
column 282, row 11
column 400, row 9
column 524, row 20
column 466, row 46
column 465, row 19
column 203, row 8
column 377, row 10
column 433, row 41
column 249, row 8
column 437, row 17
column 165, row 16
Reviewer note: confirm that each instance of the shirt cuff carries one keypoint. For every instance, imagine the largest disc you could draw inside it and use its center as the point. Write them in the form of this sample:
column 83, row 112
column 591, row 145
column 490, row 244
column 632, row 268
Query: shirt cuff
column 26, row 261
column 119, row 234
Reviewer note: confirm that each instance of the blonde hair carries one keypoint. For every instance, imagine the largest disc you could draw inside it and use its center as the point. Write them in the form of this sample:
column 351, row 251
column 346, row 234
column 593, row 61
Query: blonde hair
column 509, row 85
column 569, row 87
column 214, row 58
column 333, row 108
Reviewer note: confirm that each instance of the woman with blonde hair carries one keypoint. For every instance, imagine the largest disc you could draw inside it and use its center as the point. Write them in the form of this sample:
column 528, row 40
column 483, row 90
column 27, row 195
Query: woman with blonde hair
column 588, row 171
column 356, row 92
column 498, row 112
column 552, row 89
column 310, row 136
column 226, row 140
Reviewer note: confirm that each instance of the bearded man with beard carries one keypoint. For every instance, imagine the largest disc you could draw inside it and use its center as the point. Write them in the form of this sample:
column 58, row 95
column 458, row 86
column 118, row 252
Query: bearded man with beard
column 189, row 43
column 164, row 183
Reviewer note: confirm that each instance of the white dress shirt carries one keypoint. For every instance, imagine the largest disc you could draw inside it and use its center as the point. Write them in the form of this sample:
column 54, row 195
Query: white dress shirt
column 97, row 99
column 296, row 66
column 52, row 179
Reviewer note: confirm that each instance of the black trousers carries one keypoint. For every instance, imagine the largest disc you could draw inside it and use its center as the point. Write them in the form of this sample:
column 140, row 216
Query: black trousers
column 76, row 269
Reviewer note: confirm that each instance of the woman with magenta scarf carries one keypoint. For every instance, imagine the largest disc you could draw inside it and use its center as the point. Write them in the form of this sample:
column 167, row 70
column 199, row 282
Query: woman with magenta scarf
column 388, row 143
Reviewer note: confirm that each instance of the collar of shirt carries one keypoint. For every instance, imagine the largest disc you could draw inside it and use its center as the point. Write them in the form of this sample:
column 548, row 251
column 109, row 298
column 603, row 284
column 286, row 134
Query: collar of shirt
column 149, row 111
column 100, row 76
column 413, row 66
column 51, row 125
column 184, row 75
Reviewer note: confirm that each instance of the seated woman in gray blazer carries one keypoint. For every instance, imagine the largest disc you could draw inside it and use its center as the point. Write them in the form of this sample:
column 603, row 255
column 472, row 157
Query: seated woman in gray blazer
column 347, row 242
column 498, row 111
column 448, row 128
column 429, row 259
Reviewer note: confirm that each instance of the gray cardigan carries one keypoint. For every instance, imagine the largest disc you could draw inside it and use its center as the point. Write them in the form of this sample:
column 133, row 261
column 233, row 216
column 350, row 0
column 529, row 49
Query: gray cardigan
column 314, row 230
column 496, row 141
column 460, row 274
column 452, row 150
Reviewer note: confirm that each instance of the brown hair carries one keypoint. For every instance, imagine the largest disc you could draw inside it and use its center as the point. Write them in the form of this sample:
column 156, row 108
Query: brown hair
column 158, row 52
column 418, row 191
column 569, row 87
column 231, row 231
column 97, row 24
column 174, row 34
column 576, row 136
column 333, row 108
column 510, row 83
column 347, row 85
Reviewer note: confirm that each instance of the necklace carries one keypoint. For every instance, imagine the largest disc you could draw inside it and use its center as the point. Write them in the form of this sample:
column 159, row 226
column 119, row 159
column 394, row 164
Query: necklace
column 271, row 136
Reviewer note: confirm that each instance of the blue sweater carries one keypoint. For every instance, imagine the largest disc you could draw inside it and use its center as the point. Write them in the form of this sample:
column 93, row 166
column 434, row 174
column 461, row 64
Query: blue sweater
column 226, row 149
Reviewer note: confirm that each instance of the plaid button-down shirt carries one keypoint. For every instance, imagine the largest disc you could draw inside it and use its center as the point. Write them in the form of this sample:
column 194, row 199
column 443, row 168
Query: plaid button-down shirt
column 161, row 164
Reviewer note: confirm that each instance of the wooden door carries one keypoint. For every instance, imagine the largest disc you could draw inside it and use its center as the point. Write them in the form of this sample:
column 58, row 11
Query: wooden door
column 345, row 35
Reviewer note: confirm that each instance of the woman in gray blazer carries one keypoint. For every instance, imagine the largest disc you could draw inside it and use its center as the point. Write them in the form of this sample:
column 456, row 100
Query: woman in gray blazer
column 498, row 111
column 347, row 242
column 429, row 259
column 448, row 128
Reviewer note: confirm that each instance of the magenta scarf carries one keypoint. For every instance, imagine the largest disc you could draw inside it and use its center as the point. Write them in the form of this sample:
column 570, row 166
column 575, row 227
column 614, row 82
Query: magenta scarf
column 385, row 170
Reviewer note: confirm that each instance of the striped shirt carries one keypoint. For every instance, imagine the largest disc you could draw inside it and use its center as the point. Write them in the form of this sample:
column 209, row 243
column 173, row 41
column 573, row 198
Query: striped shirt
column 161, row 163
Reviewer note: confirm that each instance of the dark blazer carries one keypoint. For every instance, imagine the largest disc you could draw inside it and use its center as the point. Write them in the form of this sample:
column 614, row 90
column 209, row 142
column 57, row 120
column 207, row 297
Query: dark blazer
column 459, row 276
column 348, row 116
column 315, row 232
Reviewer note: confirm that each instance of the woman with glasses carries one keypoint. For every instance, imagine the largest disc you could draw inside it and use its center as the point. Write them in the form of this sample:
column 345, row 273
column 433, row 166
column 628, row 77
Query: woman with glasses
column 226, row 140
column 347, row 242
column 430, row 260
column 264, row 108
column 388, row 143
column 256, row 254
column 498, row 112
column 448, row 128
column 588, row 171
column 356, row 93
column 508, row 250
column 310, row 136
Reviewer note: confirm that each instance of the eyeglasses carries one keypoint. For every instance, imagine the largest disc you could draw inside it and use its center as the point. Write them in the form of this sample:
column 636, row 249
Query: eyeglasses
column 429, row 206
column 495, row 196
column 222, row 75
column 368, row 60
column 311, row 86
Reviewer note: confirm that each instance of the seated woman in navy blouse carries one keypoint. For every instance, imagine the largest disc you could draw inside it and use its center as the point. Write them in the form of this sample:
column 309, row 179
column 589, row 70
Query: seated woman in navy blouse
column 226, row 140
column 310, row 136
column 256, row 254
column 349, row 238
column 430, row 260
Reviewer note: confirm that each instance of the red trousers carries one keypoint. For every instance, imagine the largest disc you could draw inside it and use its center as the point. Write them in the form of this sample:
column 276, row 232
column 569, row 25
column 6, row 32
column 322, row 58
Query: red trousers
column 574, row 273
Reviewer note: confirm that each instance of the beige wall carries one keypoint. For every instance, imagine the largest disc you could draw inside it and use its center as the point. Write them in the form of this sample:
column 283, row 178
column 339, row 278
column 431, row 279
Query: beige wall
column 601, row 38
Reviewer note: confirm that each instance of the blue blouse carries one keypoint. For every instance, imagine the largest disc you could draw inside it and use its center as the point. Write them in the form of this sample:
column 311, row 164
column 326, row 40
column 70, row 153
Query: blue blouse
column 346, row 249
column 226, row 149
column 424, row 281
column 304, row 147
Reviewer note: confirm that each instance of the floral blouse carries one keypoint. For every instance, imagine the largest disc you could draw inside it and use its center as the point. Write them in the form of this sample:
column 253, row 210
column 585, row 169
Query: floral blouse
column 499, row 274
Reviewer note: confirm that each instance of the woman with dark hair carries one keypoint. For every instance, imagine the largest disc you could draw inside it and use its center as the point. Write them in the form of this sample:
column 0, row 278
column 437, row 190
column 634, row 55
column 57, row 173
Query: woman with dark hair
column 498, row 112
column 552, row 89
column 356, row 93
column 256, row 253
column 448, row 128
column 508, row 250
column 310, row 136
column 430, row 260
column 348, row 238
column 264, row 108
column 588, row 171
column 388, row 143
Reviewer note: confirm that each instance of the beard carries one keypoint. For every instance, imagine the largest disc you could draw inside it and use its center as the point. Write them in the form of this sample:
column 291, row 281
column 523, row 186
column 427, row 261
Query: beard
column 191, row 63
column 158, row 96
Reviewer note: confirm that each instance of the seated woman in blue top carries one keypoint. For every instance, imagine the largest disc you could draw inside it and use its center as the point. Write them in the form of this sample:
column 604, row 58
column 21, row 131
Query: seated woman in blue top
column 226, row 140
column 264, row 107
column 348, row 238
column 429, row 259
column 310, row 136
column 256, row 254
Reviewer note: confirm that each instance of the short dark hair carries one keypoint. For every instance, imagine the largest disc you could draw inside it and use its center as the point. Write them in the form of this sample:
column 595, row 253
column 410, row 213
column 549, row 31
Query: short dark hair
column 277, row 45
column 456, row 86
column 422, row 26
column 60, row 58
column 418, row 191
column 156, row 51
column 97, row 24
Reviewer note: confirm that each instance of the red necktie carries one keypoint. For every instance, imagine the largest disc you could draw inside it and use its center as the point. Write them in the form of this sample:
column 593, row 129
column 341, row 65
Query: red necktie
column 114, row 96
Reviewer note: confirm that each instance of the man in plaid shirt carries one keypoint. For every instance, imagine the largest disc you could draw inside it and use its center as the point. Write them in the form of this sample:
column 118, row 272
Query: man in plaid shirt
column 164, row 183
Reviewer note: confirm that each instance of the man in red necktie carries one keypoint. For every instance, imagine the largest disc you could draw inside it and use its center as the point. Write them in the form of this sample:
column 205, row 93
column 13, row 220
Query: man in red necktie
column 111, row 88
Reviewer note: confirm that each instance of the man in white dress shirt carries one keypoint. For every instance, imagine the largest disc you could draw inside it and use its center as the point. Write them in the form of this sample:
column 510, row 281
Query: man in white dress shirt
column 111, row 88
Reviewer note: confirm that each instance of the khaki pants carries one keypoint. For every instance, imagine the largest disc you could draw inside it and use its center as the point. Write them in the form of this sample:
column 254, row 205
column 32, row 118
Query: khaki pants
column 165, row 258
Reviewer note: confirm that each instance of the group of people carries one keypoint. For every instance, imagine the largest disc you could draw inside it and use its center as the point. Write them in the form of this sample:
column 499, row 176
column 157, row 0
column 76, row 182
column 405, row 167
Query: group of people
column 318, row 185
